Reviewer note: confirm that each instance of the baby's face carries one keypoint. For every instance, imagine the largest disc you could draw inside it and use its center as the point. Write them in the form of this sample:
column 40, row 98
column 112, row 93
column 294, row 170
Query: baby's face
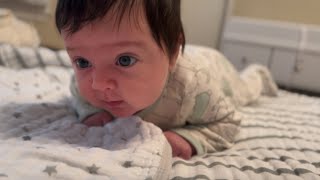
column 120, row 70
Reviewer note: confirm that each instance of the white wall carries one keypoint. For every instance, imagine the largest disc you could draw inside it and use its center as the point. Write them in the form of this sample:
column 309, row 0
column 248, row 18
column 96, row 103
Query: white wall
column 297, row 11
column 202, row 21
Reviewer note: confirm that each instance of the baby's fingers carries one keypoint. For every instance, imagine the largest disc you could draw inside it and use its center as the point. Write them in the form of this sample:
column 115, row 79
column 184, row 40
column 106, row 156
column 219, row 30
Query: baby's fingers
column 99, row 119
column 92, row 121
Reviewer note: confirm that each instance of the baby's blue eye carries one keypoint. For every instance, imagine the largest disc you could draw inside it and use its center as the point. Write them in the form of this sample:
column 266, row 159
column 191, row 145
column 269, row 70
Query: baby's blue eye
column 126, row 61
column 83, row 63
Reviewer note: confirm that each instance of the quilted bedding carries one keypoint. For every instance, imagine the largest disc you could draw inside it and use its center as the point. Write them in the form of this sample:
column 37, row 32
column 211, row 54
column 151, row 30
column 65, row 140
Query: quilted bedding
column 279, row 139
column 40, row 139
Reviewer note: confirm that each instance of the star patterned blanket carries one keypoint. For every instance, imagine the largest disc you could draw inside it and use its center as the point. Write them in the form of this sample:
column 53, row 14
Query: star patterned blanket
column 40, row 137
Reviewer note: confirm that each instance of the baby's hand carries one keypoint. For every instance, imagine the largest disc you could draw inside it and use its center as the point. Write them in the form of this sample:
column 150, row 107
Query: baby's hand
column 98, row 119
column 180, row 147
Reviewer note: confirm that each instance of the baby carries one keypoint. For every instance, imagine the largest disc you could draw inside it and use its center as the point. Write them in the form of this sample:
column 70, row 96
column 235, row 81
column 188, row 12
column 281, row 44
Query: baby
column 127, row 58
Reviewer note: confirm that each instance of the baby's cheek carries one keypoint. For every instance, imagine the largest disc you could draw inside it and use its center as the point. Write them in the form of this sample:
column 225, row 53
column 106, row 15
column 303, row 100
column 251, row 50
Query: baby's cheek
column 85, row 90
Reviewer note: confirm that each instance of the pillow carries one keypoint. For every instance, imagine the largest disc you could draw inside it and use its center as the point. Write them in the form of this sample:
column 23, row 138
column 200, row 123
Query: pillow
column 39, row 13
column 16, row 32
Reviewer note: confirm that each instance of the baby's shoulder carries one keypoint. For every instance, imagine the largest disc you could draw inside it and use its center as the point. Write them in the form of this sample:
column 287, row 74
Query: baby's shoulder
column 200, row 58
column 190, row 69
column 200, row 68
column 196, row 62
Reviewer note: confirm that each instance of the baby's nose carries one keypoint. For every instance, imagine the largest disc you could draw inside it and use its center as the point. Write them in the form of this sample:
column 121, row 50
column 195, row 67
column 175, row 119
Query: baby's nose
column 103, row 82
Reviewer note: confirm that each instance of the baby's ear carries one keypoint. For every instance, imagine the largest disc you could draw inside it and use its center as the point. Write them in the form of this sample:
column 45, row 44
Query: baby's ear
column 175, row 56
column 173, row 60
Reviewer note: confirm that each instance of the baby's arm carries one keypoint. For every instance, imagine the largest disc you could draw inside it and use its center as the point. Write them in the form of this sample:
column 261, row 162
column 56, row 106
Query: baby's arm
column 215, row 129
column 180, row 146
column 98, row 119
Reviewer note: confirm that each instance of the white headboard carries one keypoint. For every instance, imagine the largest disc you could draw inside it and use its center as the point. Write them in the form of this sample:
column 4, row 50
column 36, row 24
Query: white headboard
column 203, row 20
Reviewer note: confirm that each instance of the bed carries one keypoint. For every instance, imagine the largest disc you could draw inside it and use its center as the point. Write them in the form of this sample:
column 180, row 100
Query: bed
column 40, row 138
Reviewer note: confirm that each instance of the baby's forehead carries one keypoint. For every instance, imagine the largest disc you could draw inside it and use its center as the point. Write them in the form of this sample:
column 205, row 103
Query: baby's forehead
column 109, row 32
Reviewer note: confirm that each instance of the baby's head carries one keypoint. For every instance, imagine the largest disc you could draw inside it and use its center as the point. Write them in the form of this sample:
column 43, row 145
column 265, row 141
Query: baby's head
column 122, row 50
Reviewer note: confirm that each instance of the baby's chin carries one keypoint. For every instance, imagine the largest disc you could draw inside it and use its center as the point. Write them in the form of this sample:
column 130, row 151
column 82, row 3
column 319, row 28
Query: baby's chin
column 121, row 113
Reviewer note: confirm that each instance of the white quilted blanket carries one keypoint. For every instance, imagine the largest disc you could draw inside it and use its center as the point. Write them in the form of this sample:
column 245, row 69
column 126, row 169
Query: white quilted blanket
column 39, row 136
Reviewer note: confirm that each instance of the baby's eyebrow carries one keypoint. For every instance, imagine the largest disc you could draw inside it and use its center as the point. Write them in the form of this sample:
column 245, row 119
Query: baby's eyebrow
column 139, row 44
column 125, row 43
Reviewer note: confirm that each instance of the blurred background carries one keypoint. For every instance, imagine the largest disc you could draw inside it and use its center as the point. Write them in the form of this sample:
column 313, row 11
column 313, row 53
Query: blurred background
column 283, row 35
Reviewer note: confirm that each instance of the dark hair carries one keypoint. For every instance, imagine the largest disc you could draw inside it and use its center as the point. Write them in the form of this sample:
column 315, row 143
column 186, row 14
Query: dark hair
column 163, row 17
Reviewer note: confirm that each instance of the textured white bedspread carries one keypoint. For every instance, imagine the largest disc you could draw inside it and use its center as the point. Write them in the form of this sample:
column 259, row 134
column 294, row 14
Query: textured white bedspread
column 279, row 139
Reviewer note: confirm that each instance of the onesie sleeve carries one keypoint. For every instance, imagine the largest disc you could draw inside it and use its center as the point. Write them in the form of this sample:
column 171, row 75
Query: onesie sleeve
column 215, row 130
column 82, row 107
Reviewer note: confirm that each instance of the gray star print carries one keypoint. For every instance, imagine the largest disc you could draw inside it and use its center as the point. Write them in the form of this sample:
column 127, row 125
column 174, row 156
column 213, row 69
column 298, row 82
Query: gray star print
column 93, row 169
column 127, row 164
column 50, row 170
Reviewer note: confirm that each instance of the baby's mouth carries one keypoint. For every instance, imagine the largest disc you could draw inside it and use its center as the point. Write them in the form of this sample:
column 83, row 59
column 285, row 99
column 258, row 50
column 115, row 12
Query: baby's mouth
column 114, row 104
column 111, row 102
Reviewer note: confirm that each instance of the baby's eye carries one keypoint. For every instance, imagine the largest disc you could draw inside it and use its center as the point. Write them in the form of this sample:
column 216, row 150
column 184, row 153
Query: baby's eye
column 82, row 63
column 126, row 61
